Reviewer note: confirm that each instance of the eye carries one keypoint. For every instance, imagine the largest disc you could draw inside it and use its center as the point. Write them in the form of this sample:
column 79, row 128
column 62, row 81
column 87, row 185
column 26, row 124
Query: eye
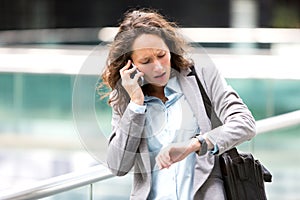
column 145, row 61
column 161, row 54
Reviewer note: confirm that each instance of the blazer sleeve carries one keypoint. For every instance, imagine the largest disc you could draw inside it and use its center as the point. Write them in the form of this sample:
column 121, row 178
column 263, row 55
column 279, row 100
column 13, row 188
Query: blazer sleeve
column 127, row 129
column 238, row 124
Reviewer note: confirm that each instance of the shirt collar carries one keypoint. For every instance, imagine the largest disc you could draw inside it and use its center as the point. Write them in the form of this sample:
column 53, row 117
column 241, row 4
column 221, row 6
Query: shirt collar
column 172, row 85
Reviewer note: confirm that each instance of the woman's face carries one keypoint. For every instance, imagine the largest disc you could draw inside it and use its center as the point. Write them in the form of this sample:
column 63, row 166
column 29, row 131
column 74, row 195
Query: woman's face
column 152, row 57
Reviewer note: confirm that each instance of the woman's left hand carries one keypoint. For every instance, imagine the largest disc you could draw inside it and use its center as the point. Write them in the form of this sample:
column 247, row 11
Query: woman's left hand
column 175, row 152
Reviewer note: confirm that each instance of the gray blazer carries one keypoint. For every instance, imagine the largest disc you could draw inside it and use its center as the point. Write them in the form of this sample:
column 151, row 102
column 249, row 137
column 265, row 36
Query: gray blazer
column 128, row 147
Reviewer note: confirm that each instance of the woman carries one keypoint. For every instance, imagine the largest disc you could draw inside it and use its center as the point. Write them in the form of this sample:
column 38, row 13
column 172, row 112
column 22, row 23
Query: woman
column 160, row 127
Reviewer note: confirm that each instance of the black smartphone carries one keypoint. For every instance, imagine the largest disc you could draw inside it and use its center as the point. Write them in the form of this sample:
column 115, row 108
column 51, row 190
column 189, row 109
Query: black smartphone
column 141, row 80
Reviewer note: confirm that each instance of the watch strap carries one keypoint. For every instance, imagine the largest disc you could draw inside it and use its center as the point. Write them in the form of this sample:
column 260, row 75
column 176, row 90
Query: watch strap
column 203, row 148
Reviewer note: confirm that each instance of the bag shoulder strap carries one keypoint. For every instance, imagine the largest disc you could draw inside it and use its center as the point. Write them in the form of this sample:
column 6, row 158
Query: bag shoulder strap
column 205, row 98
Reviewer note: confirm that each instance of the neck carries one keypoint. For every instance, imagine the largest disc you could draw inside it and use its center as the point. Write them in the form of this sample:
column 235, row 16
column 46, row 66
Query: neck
column 157, row 91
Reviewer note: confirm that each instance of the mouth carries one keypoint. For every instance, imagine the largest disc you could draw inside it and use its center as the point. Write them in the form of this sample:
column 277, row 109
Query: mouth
column 161, row 75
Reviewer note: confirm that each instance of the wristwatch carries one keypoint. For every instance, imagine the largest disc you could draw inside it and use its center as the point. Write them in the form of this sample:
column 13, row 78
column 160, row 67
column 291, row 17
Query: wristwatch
column 203, row 143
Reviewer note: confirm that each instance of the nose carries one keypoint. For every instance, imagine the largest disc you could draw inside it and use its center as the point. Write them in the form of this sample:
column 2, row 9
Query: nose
column 157, row 65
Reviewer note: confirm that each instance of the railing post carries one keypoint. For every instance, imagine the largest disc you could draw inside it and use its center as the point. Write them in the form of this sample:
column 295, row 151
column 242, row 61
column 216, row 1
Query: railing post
column 91, row 191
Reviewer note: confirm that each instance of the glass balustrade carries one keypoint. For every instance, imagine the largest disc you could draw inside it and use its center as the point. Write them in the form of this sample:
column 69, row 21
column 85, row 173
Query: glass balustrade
column 39, row 140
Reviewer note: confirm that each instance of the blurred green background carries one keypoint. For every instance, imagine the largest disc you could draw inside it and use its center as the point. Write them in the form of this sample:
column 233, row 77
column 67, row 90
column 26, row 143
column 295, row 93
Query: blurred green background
column 43, row 44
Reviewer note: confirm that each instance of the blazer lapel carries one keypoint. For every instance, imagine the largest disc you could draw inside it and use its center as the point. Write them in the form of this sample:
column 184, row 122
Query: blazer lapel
column 192, row 93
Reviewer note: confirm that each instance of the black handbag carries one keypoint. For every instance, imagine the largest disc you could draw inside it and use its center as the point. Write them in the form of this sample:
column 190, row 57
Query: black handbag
column 243, row 175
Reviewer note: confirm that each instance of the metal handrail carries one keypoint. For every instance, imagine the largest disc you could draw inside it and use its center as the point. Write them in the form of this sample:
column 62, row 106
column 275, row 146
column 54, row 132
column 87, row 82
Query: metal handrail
column 278, row 122
column 59, row 184
column 97, row 173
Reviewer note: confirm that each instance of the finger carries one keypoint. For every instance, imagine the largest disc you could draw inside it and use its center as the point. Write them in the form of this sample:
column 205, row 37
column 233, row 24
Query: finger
column 160, row 163
column 128, row 64
column 133, row 68
column 163, row 161
column 165, row 165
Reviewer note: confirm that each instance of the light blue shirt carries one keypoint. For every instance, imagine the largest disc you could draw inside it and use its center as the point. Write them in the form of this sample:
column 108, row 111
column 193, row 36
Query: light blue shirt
column 166, row 123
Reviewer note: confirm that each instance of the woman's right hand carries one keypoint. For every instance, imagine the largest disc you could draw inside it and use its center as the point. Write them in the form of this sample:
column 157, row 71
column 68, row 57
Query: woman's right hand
column 131, row 84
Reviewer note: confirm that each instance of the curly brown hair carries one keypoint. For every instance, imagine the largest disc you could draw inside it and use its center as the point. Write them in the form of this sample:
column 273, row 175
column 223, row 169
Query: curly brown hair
column 134, row 24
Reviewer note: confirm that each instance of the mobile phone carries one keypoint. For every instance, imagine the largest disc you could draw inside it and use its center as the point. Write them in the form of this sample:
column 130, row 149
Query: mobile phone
column 141, row 80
